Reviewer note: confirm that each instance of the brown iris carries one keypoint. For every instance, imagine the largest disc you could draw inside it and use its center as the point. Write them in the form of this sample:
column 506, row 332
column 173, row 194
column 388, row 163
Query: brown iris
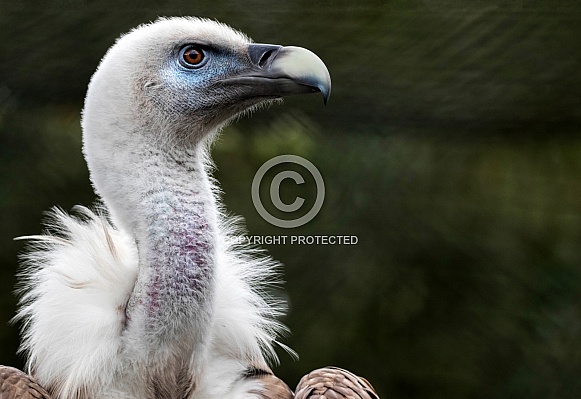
column 192, row 56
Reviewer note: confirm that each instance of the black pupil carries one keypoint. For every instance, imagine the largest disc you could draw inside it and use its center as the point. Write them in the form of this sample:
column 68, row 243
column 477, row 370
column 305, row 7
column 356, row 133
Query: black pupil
column 193, row 56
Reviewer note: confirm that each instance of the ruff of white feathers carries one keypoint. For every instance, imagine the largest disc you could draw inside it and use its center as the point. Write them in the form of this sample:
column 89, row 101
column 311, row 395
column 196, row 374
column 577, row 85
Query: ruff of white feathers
column 73, row 316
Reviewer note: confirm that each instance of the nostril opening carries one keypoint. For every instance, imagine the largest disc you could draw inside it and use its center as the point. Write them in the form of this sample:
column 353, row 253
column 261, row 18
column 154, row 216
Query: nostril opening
column 265, row 57
column 262, row 54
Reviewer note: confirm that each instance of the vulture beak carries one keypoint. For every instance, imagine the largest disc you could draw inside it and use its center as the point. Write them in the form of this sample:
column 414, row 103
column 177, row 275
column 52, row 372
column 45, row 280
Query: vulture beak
column 278, row 71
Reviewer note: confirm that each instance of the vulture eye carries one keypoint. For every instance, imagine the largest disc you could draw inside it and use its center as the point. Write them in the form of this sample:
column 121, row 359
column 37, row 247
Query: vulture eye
column 192, row 57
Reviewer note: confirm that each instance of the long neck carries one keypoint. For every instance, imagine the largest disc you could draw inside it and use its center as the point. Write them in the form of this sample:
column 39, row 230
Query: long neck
column 163, row 198
column 175, row 235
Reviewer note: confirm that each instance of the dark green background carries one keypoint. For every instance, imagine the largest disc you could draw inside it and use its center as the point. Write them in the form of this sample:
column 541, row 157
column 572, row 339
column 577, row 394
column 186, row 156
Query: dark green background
column 450, row 147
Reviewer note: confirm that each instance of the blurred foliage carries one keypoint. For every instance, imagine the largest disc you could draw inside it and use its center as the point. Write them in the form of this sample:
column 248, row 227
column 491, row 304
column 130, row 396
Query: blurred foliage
column 450, row 148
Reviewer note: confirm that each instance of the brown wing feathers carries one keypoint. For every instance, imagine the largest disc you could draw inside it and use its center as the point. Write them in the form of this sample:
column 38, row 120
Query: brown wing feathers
column 324, row 383
column 16, row 384
column 334, row 383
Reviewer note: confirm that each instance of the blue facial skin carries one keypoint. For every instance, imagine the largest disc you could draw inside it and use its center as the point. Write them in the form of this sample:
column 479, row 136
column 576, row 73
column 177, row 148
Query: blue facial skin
column 191, row 89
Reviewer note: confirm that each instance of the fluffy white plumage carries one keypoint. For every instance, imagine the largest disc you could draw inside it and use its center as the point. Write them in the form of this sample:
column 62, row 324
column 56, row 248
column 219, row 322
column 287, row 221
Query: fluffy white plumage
column 76, row 284
column 148, row 298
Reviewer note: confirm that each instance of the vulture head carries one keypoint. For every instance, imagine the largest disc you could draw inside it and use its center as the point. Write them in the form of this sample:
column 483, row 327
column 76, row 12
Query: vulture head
column 186, row 77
